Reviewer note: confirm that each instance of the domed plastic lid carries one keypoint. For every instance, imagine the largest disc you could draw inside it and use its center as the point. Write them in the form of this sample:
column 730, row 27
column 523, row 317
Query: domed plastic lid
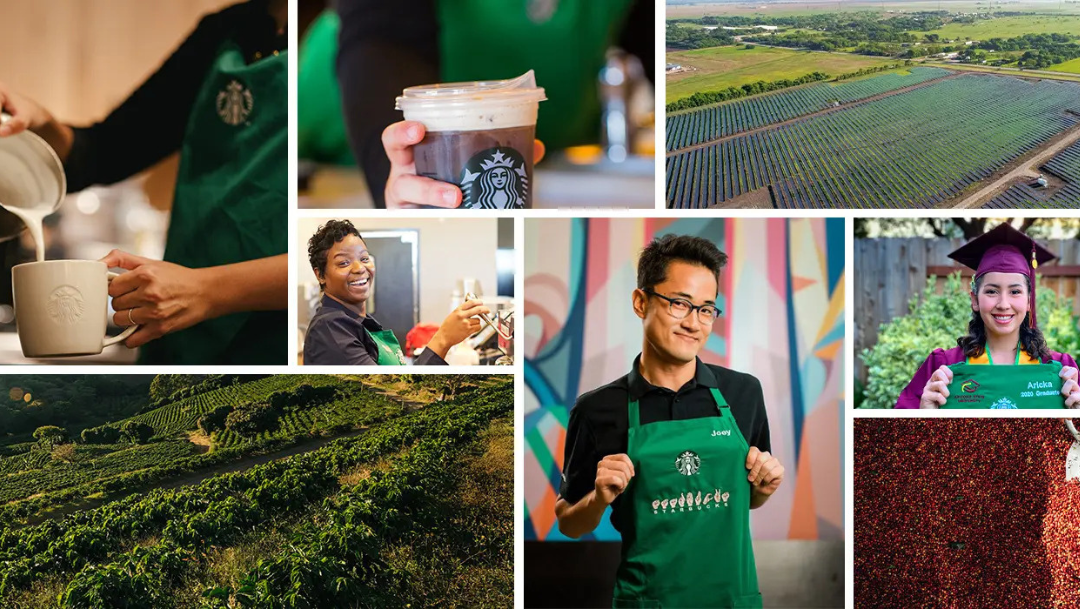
column 520, row 90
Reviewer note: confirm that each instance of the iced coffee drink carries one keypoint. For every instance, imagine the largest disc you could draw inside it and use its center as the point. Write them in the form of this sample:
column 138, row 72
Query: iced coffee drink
column 479, row 136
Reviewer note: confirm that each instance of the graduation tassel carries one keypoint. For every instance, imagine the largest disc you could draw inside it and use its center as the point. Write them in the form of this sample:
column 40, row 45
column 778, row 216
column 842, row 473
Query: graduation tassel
column 1034, row 262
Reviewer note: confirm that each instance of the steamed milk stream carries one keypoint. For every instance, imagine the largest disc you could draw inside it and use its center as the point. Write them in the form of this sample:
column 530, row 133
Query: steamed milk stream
column 33, row 218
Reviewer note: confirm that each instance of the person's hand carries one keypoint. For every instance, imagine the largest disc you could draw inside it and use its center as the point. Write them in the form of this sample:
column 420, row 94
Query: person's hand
column 936, row 391
column 613, row 474
column 25, row 113
column 1069, row 387
column 460, row 324
column 160, row 297
column 405, row 189
column 766, row 473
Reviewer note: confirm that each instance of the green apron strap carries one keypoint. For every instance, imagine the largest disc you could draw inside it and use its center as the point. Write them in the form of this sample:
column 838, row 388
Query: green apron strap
column 718, row 398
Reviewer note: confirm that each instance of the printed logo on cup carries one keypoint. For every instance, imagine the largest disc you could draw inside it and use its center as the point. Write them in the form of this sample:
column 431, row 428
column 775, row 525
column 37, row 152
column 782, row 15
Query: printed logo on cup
column 65, row 305
column 495, row 179
column 234, row 103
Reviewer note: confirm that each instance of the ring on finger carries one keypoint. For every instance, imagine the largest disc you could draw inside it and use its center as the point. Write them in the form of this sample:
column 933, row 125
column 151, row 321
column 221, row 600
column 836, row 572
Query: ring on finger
column 132, row 321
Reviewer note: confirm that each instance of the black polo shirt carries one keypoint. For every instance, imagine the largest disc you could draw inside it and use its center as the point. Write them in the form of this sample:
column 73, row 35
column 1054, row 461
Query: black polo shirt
column 599, row 419
column 338, row 335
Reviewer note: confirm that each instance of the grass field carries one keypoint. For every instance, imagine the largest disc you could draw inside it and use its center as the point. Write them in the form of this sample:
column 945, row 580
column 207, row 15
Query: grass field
column 1010, row 27
column 775, row 9
column 733, row 66
column 1072, row 67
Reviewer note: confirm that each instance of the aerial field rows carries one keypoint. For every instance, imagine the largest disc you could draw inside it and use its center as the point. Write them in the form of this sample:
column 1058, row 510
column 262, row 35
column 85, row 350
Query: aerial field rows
column 1064, row 165
column 912, row 149
column 702, row 125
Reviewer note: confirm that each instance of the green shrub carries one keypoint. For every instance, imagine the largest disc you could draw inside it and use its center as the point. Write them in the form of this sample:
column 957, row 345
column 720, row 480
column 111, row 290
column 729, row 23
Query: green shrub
column 251, row 419
column 136, row 433
column 214, row 420
column 906, row 341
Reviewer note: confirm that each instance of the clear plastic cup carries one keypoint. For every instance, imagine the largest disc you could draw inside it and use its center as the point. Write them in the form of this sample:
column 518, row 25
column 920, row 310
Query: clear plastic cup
column 479, row 136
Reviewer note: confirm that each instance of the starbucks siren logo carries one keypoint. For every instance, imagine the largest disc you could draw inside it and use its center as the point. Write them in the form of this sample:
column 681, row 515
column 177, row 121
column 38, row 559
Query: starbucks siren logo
column 234, row 103
column 65, row 305
column 688, row 463
column 1003, row 404
column 495, row 179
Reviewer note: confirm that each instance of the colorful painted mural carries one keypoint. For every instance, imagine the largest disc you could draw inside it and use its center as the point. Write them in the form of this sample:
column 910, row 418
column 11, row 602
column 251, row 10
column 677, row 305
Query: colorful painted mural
column 782, row 294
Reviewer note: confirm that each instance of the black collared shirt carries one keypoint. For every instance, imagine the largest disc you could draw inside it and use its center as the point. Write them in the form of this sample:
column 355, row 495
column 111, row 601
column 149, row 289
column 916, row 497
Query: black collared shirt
column 599, row 420
column 337, row 336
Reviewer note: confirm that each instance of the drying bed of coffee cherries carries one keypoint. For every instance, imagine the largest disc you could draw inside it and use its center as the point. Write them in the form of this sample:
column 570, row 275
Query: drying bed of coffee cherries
column 965, row 513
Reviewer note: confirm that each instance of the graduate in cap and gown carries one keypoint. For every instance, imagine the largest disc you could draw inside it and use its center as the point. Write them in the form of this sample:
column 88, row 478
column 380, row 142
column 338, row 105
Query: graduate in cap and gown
column 1003, row 329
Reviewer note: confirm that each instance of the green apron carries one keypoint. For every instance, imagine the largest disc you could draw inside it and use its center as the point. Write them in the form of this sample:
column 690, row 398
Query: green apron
column 687, row 540
column 389, row 348
column 1005, row 387
column 232, row 204
column 564, row 41
column 320, row 130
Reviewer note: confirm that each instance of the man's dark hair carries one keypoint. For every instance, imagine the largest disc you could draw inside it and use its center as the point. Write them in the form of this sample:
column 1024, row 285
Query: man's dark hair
column 320, row 243
column 660, row 252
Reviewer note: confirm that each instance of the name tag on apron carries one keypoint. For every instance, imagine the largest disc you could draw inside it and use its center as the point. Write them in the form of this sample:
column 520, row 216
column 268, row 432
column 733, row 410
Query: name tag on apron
column 1005, row 387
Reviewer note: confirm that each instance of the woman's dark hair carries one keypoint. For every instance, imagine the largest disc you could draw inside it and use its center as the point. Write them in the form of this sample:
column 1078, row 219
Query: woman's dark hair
column 1031, row 339
column 320, row 243
column 652, row 266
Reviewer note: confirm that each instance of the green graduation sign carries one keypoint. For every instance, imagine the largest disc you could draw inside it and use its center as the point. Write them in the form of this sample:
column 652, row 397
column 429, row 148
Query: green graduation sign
column 1005, row 387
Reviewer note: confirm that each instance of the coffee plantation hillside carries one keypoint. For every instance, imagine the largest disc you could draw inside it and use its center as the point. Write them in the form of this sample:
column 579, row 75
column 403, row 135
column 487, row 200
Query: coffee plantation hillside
column 415, row 510
column 245, row 417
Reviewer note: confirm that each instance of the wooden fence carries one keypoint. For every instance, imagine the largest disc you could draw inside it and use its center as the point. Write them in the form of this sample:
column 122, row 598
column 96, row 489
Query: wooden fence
column 890, row 272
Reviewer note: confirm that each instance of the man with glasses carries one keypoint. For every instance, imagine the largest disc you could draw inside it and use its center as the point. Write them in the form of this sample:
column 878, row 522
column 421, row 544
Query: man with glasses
column 679, row 449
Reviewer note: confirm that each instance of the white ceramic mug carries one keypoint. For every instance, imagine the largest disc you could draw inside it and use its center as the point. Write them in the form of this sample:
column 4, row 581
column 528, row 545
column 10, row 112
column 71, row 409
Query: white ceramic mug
column 61, row 307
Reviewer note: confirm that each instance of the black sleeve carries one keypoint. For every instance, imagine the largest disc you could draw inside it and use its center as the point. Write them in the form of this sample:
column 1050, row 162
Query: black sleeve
column 759, row 435
column 150, row 124
column 333, row 341
column 579, row 458
column 637, row 35
column 428, row 357
column 383, row 47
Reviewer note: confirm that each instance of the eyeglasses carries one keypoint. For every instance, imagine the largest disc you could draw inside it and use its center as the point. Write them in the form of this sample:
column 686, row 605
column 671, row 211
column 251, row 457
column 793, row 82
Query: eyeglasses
column 680, row 308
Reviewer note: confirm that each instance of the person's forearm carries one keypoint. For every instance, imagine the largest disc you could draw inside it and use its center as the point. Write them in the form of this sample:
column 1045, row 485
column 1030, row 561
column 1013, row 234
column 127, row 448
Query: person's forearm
column 253, row 285
column 580, row 518
column 59, row 136
column 438, row 345
column 757, row 499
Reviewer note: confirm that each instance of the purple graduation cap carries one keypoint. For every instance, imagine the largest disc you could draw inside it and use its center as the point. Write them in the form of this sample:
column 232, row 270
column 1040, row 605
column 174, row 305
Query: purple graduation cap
column 1004, row 250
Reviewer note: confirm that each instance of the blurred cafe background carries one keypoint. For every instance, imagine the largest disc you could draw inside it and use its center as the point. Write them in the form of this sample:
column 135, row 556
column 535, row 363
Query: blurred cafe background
column 424, row 269
column 80, row 59
column 594, row 59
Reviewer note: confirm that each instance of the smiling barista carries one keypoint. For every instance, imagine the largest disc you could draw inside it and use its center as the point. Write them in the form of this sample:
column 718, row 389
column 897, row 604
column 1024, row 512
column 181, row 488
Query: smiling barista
column 679, row 449
column 341, row 332
column 220, row 295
